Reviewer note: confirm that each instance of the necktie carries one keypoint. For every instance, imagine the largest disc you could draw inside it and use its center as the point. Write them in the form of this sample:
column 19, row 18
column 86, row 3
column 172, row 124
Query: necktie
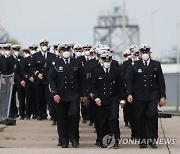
column 145, row 63
column 106, row 70
column 67, row 62
column 44, row 56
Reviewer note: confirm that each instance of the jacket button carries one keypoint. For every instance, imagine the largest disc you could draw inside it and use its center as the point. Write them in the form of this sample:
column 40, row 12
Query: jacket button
column 65, row 87
column 145, row 80
column 104, row 92
column 145, row 85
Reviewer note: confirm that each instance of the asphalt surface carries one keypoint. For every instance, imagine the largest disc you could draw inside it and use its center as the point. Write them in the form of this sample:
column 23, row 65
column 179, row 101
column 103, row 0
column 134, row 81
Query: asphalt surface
column 40, row 137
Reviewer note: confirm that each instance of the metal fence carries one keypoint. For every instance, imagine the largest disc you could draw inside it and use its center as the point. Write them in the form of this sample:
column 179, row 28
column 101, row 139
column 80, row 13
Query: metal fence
column 6, row 85
column 172, row 91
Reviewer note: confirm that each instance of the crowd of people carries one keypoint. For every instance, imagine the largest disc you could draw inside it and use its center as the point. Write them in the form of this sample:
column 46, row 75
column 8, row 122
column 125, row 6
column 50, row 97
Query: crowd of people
column 72, row 82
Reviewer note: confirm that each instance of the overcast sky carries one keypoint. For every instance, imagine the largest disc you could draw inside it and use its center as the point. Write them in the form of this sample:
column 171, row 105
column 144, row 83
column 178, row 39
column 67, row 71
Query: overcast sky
column 73, row 20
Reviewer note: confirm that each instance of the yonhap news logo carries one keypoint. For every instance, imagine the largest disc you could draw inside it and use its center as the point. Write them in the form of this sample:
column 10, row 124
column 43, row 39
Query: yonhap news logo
column 159, row 141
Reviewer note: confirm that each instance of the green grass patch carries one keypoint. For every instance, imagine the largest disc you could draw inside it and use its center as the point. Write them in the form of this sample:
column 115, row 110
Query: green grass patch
column 2, row 129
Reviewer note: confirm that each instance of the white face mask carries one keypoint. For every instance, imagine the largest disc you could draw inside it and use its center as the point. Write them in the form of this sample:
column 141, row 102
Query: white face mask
column 78, row 54
column 26, row 55
column 33, row 52
column 106, row 64
column 87, row 53
column 16, row 53
column 145, row 56
column 7, row 52
column 56, row 53
column 2, row 52
column 44, row 48
column 66, row 54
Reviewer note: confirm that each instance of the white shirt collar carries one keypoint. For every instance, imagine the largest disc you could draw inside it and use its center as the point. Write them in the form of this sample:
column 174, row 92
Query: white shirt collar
column 148, row 61
column 66, row 60
column 105, row 69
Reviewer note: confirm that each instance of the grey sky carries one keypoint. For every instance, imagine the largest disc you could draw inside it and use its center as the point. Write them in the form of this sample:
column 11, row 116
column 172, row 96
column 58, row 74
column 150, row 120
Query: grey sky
column 73, row 20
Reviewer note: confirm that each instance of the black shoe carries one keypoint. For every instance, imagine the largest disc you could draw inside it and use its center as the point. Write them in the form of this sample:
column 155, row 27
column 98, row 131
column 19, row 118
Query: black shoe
column 39, row 118
column 153, row 145
column 143, row 146
column 34, row 117
column 44, row 116
column 21, row 118
column 91, row 123
column 27, row 118
column 54, row 123
column 59, row 144
column 74, row 143
column 64, row 146
column 84, row 121
column 116, row 146
column 103, row 146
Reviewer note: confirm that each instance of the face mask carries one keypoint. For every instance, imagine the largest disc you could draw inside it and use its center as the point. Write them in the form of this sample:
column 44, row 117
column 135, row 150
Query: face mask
column 78, row 54
column 66, row 54
column 16, row 53
column 26, row 55
column 44, row 48
column 2, row 52
column 56, row 53
column 106, row 64
column 87, row 53
column 7, row 52
column 145, row 56
column 33, row 52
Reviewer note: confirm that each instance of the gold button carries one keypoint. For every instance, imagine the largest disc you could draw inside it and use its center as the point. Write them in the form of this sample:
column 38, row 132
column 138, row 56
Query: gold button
column 145, row 80
column 104, row 92
column 65, row 82
column 65, row 77
column 72, row 87
column 145, row 85
column 65, row 87
column 104, row 88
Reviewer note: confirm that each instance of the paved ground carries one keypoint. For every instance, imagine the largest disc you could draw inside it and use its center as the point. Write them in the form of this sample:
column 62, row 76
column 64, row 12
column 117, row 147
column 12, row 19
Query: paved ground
column 36, row 137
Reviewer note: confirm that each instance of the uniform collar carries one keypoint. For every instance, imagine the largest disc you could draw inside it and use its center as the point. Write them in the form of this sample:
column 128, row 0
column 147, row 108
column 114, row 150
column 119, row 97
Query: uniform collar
column 148, row 61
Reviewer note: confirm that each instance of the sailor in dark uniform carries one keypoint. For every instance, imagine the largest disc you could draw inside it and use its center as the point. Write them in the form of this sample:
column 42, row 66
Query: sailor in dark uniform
column 146, row 88
column 40, row 65
column 108, row 89
column 67, row 87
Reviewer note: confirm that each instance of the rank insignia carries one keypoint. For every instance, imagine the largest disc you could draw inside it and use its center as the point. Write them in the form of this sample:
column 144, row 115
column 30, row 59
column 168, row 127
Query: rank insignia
column 60, row 68
column 139, row 70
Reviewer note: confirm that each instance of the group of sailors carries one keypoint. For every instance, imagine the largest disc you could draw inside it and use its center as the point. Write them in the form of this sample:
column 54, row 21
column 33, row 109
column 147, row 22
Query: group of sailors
column 74, row 81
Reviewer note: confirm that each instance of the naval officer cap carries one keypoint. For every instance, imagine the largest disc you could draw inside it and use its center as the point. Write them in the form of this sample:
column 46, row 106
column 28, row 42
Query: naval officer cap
column 25, row 50
column 16, row 47
column 107, row 57
column 78, row 48
column 87, row 47
column 145, row 48
column 43, row 42
column 7, row 46
column 64, row 47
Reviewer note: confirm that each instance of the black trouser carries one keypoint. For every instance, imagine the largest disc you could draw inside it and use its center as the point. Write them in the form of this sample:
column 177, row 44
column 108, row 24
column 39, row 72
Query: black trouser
column 147, row 119
column 108, row 115
column 13, row 107
column 84, row 112
column 41, row 101
column 68, row 121
column 21, row 98
column 51, row 104
column 126, row 113
column 30, row 100
column 92, row 109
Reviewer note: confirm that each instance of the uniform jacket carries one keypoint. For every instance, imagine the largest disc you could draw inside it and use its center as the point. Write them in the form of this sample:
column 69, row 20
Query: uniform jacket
column 67, row 80
column 145, row 83
column 108, row 86
column 41, row 65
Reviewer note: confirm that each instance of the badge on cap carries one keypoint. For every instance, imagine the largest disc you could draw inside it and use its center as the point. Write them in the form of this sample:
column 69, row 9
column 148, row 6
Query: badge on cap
column 139, row 70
